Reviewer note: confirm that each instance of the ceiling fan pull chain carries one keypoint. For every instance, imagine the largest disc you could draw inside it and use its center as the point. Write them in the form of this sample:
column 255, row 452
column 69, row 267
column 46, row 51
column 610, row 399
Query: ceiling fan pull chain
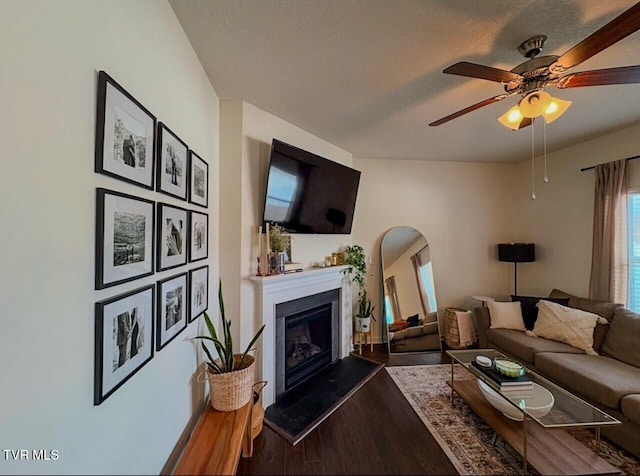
column 533, row 166
column 544, row 140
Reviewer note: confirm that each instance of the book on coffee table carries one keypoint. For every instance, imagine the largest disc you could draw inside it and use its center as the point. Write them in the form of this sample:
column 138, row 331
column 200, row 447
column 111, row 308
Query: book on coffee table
column 502, row 381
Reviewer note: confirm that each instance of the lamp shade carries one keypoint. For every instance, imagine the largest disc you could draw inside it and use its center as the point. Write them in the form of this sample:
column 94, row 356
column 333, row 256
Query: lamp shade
column 516, row 252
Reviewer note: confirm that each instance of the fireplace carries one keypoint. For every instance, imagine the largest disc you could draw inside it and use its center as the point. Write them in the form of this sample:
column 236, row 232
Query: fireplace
column 274, row 291
column 307, row 338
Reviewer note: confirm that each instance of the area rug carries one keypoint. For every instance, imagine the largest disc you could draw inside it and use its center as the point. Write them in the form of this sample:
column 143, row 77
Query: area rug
column 302, row 409
column 464, row 437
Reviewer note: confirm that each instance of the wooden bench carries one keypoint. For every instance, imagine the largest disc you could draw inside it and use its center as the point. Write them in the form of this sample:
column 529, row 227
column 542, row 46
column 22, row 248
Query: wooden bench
column 217, row 441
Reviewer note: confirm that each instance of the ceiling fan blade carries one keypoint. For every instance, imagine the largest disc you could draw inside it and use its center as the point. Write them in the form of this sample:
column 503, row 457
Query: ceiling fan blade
column 466, row 110
column 473, row 70
column 601, row 77
column 526, row 122
column 617, row 29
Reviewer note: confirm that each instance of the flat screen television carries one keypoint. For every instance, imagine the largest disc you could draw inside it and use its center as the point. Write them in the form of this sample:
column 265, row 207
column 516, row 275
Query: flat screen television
column 307, row 193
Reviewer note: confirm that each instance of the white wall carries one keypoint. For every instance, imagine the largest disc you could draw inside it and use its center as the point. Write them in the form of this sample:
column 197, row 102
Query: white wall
column 51, row 53
column 462, row 209
column 560, row 220
column 246, row 144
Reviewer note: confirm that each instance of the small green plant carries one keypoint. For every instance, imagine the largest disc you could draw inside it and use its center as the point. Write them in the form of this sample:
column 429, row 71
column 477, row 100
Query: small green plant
column 357, row 270
column 365, row 308
column 357, row 261
column 226, row 362
column 277, row 239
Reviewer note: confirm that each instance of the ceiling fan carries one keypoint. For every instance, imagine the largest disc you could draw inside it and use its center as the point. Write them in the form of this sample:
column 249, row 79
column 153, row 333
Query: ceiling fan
column 530, row 78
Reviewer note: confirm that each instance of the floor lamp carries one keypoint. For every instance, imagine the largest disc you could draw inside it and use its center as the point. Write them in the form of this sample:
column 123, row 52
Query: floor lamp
column 516, row 253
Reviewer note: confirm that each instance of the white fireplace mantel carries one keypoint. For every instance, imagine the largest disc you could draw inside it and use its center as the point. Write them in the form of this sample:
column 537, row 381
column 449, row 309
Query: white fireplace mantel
column 273, row 290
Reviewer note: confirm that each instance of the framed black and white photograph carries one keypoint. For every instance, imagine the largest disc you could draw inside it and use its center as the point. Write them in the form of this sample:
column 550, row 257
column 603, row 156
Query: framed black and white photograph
column 199, row 236
column 124, row 238
column 172, row 236
column 123, row 339
column 199, row 292
column 125, row 135
column 173, row 302
column 199, row 180
column 288, row 254
column 171, row 174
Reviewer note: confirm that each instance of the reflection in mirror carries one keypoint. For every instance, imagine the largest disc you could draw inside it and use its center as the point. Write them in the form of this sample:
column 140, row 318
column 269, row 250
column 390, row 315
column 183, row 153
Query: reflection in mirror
column 411, row 310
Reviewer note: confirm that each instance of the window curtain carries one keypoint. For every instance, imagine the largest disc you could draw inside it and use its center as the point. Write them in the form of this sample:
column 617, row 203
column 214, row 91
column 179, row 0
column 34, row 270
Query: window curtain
column 609, row 264
column 421, row 258
column 390, row 282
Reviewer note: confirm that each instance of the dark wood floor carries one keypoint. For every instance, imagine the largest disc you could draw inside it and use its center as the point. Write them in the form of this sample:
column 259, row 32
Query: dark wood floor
column 374, row 432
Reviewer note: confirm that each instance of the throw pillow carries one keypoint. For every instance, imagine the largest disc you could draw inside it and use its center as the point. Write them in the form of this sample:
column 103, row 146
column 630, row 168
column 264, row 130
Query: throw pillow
column 565, row 324
column 601, row 308
column 506, row 315
column 530, row 310
column 622, row 339
column 412, row 320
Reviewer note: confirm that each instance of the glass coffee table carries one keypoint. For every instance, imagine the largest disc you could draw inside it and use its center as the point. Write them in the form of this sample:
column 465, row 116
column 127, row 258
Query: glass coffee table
column 562, row 410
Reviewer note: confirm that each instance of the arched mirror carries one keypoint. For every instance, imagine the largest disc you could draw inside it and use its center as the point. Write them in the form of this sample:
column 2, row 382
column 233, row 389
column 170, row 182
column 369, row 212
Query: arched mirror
column 410, row 307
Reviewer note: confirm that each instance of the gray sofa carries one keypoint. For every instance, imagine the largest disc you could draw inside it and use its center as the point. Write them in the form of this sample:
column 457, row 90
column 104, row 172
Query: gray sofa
column 610, row 380
column 416, row 339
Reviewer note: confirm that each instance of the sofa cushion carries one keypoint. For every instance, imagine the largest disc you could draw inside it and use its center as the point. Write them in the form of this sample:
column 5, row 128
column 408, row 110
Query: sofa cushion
column 430, row 328
column 631, row 408
column 623, row 339
column 598, row 378
column 506, row 315
column 524, row 347
column 530, row 310
column 601, row 308
column 565, row 324
column 408, row 332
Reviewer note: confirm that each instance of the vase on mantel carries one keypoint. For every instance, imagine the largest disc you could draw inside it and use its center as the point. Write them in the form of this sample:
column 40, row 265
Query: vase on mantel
column 276, row 263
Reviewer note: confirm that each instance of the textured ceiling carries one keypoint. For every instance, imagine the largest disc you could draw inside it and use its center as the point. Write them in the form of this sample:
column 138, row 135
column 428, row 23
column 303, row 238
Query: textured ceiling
column 366, row 75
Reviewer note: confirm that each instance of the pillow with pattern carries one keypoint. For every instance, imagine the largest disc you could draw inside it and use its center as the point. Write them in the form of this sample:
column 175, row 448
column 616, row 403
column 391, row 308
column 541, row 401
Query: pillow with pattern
column 565, row 324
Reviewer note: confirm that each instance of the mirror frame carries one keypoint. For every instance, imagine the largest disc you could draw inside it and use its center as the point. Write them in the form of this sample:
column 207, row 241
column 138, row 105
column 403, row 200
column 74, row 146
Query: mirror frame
column 385, row 326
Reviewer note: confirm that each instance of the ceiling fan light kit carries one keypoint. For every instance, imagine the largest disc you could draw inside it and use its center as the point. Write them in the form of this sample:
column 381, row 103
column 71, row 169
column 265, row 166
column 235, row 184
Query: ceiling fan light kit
column 529, row 79
column 512, row 118
column 555, row 109
column 534, row 104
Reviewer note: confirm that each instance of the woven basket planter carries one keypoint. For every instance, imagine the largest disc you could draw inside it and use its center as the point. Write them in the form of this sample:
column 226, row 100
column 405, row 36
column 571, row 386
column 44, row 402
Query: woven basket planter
column 232, row 390
column 451, row 332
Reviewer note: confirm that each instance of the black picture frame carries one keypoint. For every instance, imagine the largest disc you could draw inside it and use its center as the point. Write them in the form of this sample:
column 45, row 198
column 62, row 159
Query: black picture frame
column 124, row 331
column 198, row 180
column 172, row 236
column 125, row 228
column 125, row 135
column 173, row 166
column 198, row 236
column 173, row 308
column 198, row 292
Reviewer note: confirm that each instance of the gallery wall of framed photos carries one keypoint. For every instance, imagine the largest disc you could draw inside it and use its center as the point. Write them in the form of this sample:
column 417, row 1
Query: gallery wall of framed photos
column 162, row 232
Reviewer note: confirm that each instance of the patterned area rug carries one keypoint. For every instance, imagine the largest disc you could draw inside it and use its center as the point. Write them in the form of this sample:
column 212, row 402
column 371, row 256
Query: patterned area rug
column 464, row 437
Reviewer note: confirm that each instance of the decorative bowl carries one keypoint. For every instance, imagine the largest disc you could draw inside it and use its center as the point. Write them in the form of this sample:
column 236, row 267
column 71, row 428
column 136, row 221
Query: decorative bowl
column 509, row 368
column 537, row 402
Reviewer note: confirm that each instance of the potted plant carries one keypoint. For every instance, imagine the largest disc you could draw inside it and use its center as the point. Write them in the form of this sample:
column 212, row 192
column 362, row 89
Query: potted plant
column 230, row 375
column 357, row 262
column 277, row 240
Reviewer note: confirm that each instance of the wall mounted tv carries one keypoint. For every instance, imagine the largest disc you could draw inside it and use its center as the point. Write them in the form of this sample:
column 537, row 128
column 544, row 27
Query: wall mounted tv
column 307, row 193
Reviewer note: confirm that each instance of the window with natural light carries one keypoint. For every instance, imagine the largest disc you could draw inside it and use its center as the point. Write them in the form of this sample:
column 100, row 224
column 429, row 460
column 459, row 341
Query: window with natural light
column 387, row 309
column 282, row 188
column 634, row 251
column 426, row 273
